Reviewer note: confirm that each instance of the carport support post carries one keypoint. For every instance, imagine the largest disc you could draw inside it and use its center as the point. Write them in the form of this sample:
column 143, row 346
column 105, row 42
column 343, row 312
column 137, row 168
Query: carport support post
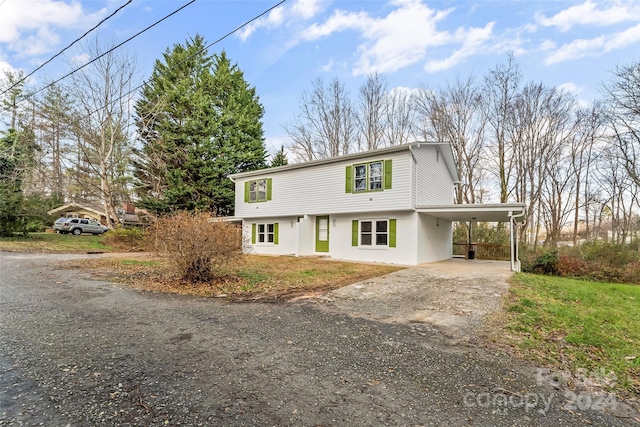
column 469, row 241
column 515, row 261
column 513, row 247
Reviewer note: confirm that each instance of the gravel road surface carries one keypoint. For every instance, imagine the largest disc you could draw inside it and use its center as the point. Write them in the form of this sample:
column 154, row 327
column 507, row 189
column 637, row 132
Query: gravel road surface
column 80, row 352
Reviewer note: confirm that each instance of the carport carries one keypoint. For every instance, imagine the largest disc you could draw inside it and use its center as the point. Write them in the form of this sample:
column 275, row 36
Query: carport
column 513, row 213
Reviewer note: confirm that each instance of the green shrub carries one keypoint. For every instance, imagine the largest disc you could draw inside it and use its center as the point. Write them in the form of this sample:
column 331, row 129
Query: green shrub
column 546, row 263
column 609, row 254
column 128, row 238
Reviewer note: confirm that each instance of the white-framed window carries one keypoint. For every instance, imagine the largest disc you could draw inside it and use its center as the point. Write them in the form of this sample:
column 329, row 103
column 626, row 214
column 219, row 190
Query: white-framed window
column 375, row 176
column 368, row 176
column 264, row 233
column 374, row 232
column 258, row 190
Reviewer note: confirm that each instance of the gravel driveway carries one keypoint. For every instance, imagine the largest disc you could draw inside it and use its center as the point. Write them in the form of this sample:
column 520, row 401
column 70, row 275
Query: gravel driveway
column 79, row 352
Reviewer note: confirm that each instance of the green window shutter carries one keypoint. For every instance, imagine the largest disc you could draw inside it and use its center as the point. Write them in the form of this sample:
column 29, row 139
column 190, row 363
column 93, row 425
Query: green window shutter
column 392, row 233
column 253, row 234
column 349, row 180
column 354, row 232
column 246, row 192
column 268, row 188
column 275, row 233
column 387, row 174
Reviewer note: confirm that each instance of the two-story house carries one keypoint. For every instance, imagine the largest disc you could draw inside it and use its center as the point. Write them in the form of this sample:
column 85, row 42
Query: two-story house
column 392, row 205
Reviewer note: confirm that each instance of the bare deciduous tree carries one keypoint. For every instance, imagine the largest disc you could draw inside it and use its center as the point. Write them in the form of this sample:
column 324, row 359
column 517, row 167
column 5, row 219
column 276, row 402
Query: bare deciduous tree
column 400, row 117
column 326, row 125
column 453, row 114
column 501, row 86
column 102, row 102
column 371, row 112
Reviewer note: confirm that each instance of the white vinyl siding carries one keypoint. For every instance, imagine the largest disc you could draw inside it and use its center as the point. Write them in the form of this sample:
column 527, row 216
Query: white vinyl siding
column 320, row 190
column 434, row 182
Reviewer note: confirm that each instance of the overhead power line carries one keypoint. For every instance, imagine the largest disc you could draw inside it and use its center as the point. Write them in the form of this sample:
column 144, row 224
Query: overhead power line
column 140, row 86
column 66, row 48
column 30, row 95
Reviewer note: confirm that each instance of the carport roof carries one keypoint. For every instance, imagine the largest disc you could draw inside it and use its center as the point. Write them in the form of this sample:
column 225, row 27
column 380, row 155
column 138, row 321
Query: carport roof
column 498, row 212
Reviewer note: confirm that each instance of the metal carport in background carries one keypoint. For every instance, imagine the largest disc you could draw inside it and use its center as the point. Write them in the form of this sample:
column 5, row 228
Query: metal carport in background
column 513, row 213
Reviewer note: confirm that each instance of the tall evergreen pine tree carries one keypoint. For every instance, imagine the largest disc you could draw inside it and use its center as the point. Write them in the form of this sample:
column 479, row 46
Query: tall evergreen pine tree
column 199, row 121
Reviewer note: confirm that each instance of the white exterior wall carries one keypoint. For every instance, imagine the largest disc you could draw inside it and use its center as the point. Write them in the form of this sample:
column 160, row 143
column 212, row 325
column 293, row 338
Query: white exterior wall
column 406, row 243
column 434, row 238
column 320, row 190
column 434, row 185
column 287, row 236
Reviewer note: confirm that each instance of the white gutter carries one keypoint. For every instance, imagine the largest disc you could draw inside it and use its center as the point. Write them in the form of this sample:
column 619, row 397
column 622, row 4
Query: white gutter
column 515, row 262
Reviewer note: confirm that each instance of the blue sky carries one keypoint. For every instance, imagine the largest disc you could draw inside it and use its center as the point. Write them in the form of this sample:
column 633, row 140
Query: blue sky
column 569, row 44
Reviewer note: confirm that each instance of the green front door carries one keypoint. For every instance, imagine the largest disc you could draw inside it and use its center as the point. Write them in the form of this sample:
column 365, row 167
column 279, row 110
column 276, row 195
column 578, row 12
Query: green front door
column 322, row 234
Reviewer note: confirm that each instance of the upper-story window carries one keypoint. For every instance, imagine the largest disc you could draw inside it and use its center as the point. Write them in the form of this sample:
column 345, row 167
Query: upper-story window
column 258, row 190
column 371, row 176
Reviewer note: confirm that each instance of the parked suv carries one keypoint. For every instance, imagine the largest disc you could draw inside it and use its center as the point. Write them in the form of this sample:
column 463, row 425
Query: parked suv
column 77, row 226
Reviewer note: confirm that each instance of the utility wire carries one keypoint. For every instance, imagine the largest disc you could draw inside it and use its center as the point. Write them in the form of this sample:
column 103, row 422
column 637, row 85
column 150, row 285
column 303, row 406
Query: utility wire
column 63, row 50
column 183, row 61
column 24, row 98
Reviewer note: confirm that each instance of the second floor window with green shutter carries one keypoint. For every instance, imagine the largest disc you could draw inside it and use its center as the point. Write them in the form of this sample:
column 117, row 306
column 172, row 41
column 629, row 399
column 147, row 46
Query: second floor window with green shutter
column 360, row 177
column 375, row 176
column 372, row 176
column 258, row 190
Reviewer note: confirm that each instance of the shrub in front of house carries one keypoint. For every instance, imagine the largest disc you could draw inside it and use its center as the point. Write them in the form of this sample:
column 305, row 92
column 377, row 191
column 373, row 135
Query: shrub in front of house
column 129, row 238
column 197, row 246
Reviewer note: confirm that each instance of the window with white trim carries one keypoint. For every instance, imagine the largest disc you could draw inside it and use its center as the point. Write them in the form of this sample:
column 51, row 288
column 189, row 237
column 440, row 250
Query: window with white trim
column 258, row 190
column 264, row 233
column 374, row 233
column 368, row 177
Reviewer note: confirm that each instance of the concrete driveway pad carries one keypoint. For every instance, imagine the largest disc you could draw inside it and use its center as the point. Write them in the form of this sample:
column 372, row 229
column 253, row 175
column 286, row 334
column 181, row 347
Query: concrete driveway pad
column 453, row 296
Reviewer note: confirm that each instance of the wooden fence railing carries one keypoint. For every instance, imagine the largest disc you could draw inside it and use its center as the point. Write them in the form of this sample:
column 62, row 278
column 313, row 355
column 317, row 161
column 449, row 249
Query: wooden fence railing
column 482, row 251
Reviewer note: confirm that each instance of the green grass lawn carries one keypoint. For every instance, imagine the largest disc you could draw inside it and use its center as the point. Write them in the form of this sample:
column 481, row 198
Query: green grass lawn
column 577, row 324
column 54, row 243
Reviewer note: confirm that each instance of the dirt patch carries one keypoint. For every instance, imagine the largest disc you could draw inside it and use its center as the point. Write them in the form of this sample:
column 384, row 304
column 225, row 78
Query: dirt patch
column 453, row 296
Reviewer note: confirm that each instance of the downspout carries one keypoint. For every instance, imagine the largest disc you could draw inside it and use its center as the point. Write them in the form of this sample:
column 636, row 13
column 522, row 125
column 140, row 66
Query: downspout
column 515, row 262
column 415, row 179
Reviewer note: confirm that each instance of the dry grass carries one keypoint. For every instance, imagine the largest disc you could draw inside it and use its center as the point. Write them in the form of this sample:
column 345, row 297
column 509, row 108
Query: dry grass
column 54, row 243
column 252, row 278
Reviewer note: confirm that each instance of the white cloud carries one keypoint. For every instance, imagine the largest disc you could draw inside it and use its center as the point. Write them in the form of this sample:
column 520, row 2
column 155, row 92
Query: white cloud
column 32, row 30
column 571, row 87
column 575, row 90
column 596, row 46
column 401, row 38
column 394, row 41
column 306, row 9
column 328, row 67
column 548, row 45
column 80, row 59
column 472, row 40
column 592, row 13
column 5, row 66
column 299, row 10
